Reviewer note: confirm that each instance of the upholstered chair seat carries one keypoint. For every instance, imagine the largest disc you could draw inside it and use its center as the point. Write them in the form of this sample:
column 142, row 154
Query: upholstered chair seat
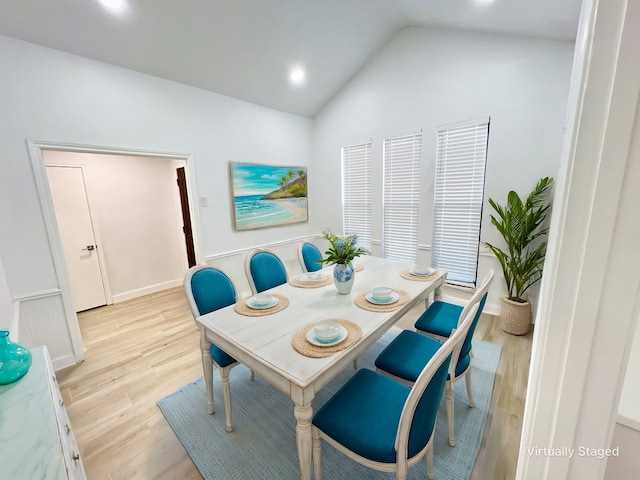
column 439, row 319
column 375, row 402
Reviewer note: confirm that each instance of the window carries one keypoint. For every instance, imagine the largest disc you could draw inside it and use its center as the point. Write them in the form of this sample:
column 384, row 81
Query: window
column 401, row 197
column 459, row 195
column 356, row 192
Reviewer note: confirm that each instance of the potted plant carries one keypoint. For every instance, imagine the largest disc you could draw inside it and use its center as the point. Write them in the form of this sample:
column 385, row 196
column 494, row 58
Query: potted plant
column 341, row 252
column 523, row 228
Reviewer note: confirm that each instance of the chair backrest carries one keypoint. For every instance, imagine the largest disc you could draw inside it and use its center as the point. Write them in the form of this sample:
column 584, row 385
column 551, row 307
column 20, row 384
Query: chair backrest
column 207, row 289
column 264, row 270
column 309, row 256
column 418, row 417
column 480, row 298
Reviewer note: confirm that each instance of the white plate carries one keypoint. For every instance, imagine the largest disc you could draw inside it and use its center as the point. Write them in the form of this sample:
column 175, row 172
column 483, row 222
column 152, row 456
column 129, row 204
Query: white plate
column 305, row 278
column 430, row 271
column 255, row 306
column 394, row 298
column 342, row 336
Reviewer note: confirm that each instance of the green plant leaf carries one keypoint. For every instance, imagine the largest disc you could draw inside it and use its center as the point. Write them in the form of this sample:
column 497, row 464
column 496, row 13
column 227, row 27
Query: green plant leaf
column 522, row 226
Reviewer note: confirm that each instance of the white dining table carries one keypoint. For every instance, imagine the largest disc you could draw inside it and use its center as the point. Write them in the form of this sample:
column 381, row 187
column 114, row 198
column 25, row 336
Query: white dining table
column 264, row 343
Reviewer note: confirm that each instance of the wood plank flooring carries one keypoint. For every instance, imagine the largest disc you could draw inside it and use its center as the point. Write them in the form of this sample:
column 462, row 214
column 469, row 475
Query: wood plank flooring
column 143, row 349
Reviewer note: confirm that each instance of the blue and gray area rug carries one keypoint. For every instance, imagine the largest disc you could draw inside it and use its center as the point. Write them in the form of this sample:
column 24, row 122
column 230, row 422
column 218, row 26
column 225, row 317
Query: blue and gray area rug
column 263, row 442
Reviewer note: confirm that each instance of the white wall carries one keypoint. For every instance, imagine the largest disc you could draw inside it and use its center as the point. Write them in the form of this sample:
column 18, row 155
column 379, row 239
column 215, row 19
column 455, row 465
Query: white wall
column 135, row 209
column 428, row 77
column 54, row 97
column 6, row 302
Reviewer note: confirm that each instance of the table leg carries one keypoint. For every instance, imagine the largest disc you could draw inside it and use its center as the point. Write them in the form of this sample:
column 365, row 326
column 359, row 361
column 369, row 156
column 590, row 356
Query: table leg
column 303, row 414
column 437, row 294
column 207, row 368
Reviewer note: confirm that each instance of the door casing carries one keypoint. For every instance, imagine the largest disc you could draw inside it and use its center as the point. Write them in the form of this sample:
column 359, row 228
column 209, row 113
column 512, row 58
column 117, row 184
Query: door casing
column 53, row 235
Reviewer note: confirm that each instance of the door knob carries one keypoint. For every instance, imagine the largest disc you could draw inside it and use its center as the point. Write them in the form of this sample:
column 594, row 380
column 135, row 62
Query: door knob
column 89, row 247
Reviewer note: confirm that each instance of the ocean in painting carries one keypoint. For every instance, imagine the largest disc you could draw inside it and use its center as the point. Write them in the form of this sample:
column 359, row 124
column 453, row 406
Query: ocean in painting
column 253, row 212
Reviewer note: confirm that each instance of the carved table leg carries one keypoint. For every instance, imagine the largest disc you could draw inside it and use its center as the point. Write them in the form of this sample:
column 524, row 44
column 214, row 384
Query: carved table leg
column 303, row 414
column 207, row 367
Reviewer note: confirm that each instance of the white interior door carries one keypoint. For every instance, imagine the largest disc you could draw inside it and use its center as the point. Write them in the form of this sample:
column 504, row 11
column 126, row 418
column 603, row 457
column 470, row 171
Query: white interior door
column 78, row 240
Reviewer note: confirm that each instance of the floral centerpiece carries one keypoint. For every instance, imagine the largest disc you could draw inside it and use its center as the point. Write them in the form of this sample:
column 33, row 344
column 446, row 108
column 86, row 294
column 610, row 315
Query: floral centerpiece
column 341, row 252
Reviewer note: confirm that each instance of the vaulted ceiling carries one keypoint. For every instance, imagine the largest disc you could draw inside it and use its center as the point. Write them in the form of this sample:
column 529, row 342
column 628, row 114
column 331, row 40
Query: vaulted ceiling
column 246, row 48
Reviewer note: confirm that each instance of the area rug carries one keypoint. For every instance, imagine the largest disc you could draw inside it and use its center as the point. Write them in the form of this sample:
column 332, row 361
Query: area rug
column 263, row 442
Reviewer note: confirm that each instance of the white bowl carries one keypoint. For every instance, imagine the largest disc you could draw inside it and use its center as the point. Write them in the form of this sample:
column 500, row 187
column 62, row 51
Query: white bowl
column 315, row 276
column 421, row 270
column 381, row 293
column 326, row 330
column 261, row 299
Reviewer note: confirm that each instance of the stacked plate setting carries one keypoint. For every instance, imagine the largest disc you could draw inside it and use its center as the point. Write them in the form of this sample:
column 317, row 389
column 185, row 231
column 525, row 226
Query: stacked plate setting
column 382, row 296
column 312, row 277
column 418, row 271
column 261, row 301
column 326, row 333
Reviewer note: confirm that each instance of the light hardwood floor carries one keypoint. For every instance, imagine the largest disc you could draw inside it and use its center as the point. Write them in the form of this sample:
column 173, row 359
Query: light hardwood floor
column 141, row 350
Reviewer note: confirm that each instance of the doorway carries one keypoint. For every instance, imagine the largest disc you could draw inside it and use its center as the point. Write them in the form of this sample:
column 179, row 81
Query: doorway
column 137, row 212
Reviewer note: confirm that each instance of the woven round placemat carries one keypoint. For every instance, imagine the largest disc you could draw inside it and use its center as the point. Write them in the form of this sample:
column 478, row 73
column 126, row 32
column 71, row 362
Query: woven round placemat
column 418, row 278
column 302, row 345
column 243, row 309
column 294, row 282
column 362, row 302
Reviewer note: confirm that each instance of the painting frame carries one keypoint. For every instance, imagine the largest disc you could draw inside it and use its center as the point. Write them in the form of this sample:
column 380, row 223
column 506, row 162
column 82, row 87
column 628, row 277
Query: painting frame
column 265, row 195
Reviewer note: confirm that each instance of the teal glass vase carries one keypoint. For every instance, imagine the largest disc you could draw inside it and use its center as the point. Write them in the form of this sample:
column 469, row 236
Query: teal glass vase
column 15, row 359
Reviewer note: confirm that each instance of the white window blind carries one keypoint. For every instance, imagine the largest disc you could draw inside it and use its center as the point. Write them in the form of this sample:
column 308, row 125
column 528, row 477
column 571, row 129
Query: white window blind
column 401, row 197
column 356, row 192
column 459, row 195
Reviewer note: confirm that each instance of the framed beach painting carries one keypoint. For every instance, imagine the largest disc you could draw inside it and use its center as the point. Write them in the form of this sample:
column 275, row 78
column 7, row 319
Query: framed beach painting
column 267, row 195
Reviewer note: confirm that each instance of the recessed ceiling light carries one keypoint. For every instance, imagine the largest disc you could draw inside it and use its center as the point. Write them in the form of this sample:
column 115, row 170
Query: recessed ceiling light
column 115, row 6
column 297, row 76
column 483, row 2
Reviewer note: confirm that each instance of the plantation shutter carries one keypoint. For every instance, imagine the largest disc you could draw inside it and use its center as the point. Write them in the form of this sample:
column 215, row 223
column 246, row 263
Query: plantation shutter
column 401, row 197
column 356, row 192
column 459, row 195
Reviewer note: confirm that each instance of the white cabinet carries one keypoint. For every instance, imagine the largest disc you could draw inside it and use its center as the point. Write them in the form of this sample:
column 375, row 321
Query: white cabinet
column 36, row 440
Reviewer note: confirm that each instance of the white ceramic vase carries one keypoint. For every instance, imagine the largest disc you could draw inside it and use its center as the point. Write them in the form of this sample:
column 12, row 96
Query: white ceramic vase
column 343, row 277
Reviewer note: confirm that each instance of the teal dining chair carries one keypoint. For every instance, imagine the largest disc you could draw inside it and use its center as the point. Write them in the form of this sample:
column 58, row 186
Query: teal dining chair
column 309, row 257
column 382, row 423
column 405, row 357
column 264, row 270
column 208, row 289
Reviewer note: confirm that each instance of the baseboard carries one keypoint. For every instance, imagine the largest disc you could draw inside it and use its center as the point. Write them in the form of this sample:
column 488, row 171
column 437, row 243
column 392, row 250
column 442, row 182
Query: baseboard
column 489, row 307
column 141, row 292
column 64, row 362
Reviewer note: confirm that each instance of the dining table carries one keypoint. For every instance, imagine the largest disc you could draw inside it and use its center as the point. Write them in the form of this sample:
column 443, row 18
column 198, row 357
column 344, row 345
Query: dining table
column 264, row 343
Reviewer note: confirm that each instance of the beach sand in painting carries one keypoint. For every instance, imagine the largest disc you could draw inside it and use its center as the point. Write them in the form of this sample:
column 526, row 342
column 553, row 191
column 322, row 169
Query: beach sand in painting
column 296, row 209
